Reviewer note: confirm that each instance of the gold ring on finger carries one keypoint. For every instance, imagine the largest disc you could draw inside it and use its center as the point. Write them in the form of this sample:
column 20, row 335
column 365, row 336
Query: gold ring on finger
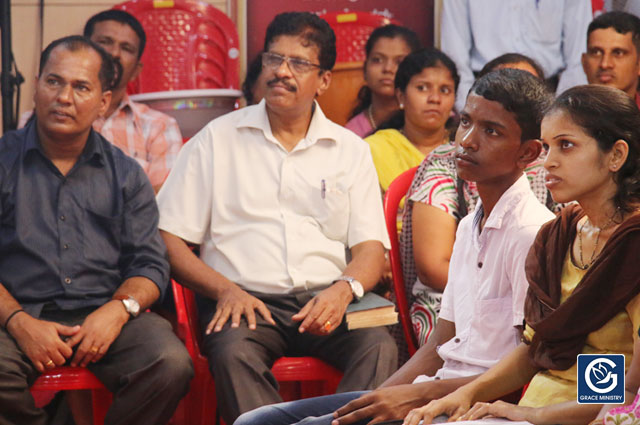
column 327, row 325
column 50, row 363
column 93, row 350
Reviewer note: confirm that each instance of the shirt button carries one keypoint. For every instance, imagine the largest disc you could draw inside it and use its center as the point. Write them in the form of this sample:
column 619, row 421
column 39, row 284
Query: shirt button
column 65, row 246
column 67, row 280
column 62, row 217
column 480, row 264
column 457, row 340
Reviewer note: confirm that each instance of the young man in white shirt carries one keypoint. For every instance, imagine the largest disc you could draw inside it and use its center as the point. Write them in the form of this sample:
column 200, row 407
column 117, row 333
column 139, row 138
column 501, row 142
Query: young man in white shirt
column 483, row 303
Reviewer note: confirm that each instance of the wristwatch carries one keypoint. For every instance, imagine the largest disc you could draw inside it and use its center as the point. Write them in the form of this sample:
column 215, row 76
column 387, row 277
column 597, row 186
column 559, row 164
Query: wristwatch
column 356, row 287
column 130, row 304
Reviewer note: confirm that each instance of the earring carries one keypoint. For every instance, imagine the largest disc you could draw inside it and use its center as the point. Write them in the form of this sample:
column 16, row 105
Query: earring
column 402, row 106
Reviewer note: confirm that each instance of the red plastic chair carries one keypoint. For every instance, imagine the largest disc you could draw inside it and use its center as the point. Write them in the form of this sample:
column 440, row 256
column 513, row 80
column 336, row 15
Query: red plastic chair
column 397, row 190
column 190, row 45
column 76, row 378
column 352, row 32
column 315, row 376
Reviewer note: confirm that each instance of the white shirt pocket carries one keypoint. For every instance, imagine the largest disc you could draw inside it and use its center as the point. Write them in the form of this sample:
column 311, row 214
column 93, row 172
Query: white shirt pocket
column 325, row 202
column 491, row 334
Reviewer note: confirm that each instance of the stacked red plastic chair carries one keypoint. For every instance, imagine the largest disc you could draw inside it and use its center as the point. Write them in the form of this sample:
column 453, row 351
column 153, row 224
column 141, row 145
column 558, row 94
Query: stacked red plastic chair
column 352, row 31
column 190, row 45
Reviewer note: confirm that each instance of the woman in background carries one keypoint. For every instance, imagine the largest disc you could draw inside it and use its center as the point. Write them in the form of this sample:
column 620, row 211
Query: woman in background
column 385, row 49
column 425, row 88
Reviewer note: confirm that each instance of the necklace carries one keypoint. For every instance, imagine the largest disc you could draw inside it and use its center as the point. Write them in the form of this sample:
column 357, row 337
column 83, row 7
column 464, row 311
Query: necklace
column 370, row 116
column 585, row 266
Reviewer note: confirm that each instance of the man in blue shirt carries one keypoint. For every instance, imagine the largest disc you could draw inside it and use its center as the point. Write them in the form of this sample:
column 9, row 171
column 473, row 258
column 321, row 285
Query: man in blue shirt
column 553, row 32
column 80, row 253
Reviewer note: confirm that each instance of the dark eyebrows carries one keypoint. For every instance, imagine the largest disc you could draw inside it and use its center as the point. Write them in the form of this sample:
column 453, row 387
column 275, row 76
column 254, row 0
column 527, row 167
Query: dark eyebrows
column 110, row 39
column 54, row 75
column 559, row 136
column 103, row 37
column 59, row 77
column 489, row 123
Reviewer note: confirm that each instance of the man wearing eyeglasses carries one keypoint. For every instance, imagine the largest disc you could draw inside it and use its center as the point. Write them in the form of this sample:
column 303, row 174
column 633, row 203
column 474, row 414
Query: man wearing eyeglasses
column 273, row 194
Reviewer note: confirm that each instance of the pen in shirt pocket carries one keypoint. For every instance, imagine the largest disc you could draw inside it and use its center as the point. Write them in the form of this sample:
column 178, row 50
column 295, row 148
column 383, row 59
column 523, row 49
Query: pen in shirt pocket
column 323, row 189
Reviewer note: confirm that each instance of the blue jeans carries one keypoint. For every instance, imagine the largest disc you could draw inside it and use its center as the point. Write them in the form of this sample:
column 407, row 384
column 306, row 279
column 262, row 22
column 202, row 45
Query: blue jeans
column 310, row 411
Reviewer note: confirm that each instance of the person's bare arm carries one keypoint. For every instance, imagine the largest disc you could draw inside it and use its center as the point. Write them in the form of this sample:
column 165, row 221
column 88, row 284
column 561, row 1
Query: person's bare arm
column 567, row 413
column 433, row 236
column 397, row 395
column 232, row 301
column 631, row 379
column 40, row 340
column 508, row 375
column 329, row 305
column 426, row 360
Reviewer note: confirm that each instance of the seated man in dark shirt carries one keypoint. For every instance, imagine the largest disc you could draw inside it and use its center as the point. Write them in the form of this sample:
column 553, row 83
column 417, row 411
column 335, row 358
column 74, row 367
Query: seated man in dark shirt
column 80, row 253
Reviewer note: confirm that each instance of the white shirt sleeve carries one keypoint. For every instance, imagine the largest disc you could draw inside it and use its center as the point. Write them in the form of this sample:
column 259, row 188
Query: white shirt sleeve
column 447, row 306
column 185, row 198
column 576, row 19
column 516, row 272
column 366, row 217
column 457, row 42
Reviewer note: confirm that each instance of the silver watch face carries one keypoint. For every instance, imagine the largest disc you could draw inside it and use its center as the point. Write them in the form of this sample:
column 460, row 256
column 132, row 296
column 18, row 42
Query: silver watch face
column 356, row 288
column 132, row 307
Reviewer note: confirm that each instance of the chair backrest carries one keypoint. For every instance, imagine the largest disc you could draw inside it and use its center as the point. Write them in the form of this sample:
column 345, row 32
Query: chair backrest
column 397, row 190
column 190, row 45
column 352, row 31
column 186, row 318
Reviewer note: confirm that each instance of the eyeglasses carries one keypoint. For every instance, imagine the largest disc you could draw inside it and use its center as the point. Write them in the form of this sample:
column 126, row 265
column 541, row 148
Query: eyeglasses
column 296, row 65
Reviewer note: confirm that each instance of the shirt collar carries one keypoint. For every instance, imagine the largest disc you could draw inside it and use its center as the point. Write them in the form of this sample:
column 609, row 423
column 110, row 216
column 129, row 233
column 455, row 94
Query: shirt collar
column 127, row 107
column 92, row 152
column 507, row 201
column 126, row 102
column 320, row 127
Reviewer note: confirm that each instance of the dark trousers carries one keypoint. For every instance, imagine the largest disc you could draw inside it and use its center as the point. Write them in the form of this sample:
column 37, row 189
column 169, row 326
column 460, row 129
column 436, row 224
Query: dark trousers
column 240, row 359
column 147, row 369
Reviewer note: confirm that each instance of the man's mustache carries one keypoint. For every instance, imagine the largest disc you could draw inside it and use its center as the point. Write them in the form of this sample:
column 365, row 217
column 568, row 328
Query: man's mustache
column 284, row 82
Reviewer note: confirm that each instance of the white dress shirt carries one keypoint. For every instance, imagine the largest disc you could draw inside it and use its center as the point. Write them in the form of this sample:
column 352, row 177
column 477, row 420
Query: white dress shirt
column 552, row 32
column 270, row 220
column 485, row 292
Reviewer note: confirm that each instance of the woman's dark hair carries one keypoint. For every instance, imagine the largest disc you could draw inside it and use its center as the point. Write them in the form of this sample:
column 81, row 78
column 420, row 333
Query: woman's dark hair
column 386, row 31
column 414, row 64
column 511, row 58
column 253, row 73
column 608, row 115
column 110, row 71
